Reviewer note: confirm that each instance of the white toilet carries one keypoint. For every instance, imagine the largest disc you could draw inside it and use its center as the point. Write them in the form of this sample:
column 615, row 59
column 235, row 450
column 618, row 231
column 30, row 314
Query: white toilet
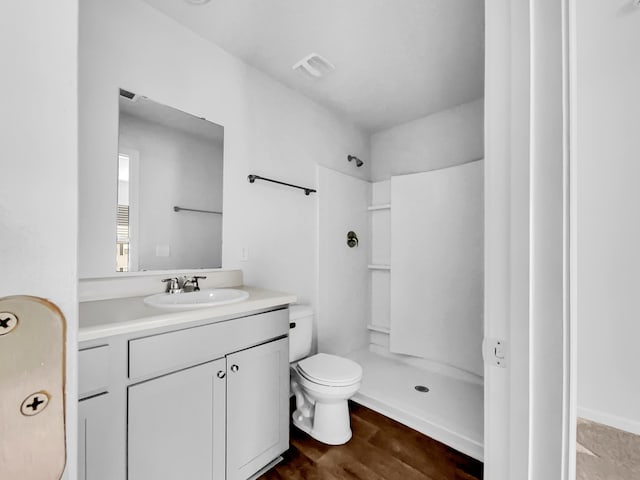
column 322, row 383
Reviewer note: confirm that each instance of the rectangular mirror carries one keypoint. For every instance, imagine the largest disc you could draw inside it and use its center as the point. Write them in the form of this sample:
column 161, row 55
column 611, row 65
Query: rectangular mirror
column 169, row 204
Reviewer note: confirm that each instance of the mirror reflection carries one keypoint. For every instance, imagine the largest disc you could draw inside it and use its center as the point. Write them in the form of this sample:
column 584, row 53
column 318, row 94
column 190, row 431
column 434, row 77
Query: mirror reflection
column 169, row 204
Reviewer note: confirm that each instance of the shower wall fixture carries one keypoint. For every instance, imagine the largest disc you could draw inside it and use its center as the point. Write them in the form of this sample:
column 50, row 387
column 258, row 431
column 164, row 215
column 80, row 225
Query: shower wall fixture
column 352, row 239
column 359, row 162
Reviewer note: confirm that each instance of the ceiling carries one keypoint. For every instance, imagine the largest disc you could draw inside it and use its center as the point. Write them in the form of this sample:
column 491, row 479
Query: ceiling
column 396, row 60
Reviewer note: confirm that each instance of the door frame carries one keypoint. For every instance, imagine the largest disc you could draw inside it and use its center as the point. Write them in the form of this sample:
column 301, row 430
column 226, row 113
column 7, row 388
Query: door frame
column 529, row 241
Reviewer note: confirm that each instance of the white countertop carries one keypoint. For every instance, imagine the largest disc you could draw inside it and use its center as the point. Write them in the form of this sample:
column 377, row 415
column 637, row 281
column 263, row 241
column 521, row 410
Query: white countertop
column 104, row 318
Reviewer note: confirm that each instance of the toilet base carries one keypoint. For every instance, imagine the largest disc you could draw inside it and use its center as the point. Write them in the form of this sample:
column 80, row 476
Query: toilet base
column 329, row 423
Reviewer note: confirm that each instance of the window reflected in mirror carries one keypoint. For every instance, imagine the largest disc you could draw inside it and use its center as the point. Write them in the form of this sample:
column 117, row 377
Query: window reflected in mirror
column 122, row 228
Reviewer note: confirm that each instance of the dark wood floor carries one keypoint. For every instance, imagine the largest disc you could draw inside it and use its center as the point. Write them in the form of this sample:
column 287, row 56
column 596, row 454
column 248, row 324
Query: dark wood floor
column 381, row 449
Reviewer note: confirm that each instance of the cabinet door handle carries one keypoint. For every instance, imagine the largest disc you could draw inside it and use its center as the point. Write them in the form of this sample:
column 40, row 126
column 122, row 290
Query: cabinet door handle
column 235, row 368
column 221, row 374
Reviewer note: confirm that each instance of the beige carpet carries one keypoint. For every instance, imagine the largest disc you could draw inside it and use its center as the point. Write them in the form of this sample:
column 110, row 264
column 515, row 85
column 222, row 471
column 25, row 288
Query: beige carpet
column 605, row 453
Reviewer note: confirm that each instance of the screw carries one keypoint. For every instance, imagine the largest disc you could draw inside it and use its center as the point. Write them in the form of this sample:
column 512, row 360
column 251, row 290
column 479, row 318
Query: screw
column 8, row 321
column 34, row 404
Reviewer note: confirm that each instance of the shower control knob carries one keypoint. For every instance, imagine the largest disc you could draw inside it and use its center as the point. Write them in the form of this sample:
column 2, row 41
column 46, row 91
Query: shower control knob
column 235, row 368
column 221, row 374
column 352, row 239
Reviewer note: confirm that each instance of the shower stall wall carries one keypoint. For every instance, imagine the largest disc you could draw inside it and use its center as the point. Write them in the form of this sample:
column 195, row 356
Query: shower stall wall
column 364, row 294
column 437, row 259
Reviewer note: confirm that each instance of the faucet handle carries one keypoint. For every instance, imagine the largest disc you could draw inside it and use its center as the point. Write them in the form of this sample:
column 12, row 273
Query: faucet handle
column 173, row 285
column 194, row 280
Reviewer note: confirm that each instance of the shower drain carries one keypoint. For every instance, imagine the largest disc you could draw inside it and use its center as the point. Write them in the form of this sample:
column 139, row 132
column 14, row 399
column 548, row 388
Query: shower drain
column 421, row 388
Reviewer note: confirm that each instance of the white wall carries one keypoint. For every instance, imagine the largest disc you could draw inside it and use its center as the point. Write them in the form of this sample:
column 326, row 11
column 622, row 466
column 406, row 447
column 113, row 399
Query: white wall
column 38, row 198
column 269, row 130
column 437, row 266
column 444, row 139
column 607, row 109
column 175, row 168
column 344, row 298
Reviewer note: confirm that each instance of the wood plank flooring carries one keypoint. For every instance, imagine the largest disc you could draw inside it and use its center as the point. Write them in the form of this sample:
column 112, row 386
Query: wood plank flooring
column 381, row 449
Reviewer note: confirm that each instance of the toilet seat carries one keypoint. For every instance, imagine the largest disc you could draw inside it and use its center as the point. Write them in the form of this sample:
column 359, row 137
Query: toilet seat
column 330, row 370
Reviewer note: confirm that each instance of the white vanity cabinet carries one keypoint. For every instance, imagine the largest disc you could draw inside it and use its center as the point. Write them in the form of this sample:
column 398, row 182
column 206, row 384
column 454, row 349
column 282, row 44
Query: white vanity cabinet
column 257, row 386
column 176, row 425
column 95, row 435
column 94, row 439
column 202, row 401
column 224, row 419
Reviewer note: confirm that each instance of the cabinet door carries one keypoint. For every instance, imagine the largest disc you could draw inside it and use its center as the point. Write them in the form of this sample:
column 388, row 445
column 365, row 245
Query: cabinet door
column 95, row 439
column 176, row 425
column 257, row 407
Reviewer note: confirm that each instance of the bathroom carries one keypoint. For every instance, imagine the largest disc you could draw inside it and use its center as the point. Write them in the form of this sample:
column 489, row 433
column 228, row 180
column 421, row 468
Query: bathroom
column 272, row 234
column 281, row 239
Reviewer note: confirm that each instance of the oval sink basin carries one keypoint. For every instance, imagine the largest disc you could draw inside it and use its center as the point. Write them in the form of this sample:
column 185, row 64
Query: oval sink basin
column 207, row 297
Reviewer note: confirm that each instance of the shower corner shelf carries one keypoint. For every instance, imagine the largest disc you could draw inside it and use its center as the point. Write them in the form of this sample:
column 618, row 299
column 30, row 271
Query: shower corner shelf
column 379, row 267
column 384, row 206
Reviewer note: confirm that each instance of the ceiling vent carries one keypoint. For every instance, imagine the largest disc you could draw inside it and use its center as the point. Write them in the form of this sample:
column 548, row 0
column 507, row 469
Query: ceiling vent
column 128, row 95
column 314, row 65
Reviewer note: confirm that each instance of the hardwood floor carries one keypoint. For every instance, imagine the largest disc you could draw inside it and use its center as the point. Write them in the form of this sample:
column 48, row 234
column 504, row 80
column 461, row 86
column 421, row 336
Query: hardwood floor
column 381, row 449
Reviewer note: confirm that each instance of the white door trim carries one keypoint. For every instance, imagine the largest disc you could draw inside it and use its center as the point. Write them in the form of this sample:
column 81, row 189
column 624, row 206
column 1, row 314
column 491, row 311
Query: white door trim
column 528, row 405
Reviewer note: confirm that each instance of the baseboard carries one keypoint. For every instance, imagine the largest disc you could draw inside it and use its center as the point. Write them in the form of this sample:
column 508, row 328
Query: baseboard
column 610, row 420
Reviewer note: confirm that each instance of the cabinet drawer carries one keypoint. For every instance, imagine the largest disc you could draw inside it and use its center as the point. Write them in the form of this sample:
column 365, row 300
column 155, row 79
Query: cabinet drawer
column 174, row 350
column 93, row 371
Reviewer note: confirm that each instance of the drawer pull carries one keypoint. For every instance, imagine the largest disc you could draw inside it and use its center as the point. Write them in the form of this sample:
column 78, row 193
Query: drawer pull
column 221, row 374
column 235, row 368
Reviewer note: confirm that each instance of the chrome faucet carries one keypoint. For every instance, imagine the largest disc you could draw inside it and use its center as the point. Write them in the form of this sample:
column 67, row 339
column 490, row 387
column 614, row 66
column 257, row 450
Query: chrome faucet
column 183, row 284
column 173, row 285
column 191, row 284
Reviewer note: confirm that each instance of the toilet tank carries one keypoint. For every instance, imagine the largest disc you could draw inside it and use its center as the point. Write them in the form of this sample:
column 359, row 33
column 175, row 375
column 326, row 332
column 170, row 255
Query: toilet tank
column 300, row 331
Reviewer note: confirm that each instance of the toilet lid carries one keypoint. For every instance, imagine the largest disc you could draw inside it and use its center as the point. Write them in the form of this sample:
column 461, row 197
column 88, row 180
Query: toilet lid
column 330, row 370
